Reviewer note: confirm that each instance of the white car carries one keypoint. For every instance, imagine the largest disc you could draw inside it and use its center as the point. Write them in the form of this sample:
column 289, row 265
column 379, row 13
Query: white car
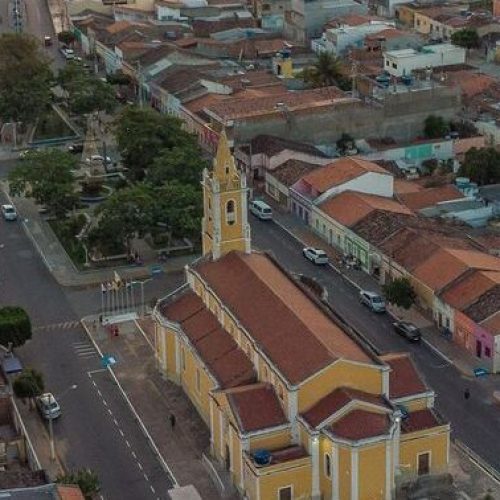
column 48, row 406
column 315, row 255
column 98, row 158
column 9, row 212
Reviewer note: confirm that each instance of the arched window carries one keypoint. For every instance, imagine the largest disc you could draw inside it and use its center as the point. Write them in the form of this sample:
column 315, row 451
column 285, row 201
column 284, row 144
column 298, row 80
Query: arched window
column 230, row 212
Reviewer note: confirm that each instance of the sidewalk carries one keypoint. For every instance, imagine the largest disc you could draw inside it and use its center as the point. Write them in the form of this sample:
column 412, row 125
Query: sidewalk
column 61, row 266
column 447, row 349
column 154, row 399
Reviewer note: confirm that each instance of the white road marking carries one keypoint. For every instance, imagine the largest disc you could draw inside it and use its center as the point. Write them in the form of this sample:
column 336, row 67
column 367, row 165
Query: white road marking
column 110, row 412
column 99, row 392
column 139, row 465
column 146, row 476
column 134, row 455
column 127, row 443
column 104, row 402
column 121, row 432
column 152, row 489
column 116, row 422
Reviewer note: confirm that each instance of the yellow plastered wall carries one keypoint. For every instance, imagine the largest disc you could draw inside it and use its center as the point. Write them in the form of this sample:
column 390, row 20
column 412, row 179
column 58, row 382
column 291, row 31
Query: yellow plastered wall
column 215, row 431
column 271, row 440
column 343, row 373
column 325, row 448
column 297, row 477
column 413, row 444
column 425, row 296
column 251, row 483
column 196, row 388
column 236, row 461
column 171, row 339
column 415, row 404
column 372, row 472
column 344, row 473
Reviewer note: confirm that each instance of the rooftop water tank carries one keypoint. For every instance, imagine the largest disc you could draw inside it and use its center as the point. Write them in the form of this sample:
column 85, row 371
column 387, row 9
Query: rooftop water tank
column 262, row 457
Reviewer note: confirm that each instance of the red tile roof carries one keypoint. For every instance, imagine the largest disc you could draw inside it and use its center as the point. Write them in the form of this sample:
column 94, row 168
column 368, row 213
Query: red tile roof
column 341, row 171
column 218, row 350
column 429, row 197
column 404, row 379
column 419, row 421
column 290, row 327
column 350, row 207
column 492, row 324
column 256, row 407
column 287, row 454
column 336, row 400
column 361, row 424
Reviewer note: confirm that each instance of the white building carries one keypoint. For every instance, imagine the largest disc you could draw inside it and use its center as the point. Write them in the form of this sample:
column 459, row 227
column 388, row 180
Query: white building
column 403, row 62
column 339, row 40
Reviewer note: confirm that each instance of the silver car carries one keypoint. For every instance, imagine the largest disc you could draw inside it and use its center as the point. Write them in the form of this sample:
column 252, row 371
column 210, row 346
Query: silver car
column 48, row 406
column 372, row 300
column 315, row 255
column 9, row 212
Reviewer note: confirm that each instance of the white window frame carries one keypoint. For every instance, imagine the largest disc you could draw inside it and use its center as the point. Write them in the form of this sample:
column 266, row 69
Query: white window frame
column 284, row 488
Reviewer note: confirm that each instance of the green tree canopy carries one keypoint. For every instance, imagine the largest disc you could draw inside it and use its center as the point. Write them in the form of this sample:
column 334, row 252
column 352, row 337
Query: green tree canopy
column 181, row 164
column 15, row 326
column 345, row 143
column 435, row 127
column 46, row 176
column 25, row 78
column 467, row 38
column 28, row 384
column 141, row 135
column 326, row 72
column 86, row 479
column 66, row 37
column 86, row 93
column 399, row 292
column 481, row 165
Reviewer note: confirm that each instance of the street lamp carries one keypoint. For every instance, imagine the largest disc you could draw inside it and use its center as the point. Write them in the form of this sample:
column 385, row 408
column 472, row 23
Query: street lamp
column 142, row 283
column 51, row 427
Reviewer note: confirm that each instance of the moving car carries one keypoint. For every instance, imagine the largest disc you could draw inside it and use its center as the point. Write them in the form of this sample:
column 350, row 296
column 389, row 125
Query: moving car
column 372, row 300
column 315, row 255
column 261, row 210
column 408, row 330
column 9, row 212
column 48, row 406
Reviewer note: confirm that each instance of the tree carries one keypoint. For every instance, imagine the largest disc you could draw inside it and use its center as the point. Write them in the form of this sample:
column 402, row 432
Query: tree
column 15, row 326
column 435, row 127
column 66, row 37
column 28, row 384
column 464, row 128
column 181, row 164
column 142, row 133
column 86, row 479
column 25, row 78
column 345, row 143
column 481, row 165
column 467, row 38
column 86, row 93
column 47, row 177
column 325, row 72
column 399, row 292
column 118, row 78
column 124, row 215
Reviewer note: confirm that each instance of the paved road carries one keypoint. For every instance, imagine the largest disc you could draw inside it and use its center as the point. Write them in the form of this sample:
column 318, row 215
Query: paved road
column 87, row 435
column 475, row 422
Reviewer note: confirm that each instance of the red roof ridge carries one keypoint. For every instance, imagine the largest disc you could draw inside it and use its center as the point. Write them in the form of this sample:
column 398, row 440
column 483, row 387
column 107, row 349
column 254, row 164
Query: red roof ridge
column 404, row 378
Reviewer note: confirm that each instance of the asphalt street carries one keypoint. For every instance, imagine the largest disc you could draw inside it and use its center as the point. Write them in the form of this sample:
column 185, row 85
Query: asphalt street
column 475, row 422
column 97, row 429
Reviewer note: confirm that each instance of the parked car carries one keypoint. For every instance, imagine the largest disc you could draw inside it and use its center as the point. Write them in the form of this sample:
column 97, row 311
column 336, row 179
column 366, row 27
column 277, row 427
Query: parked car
column 75, row 148
column 261, row 210
column 9, row 212
column 407, row 330
column 48, row 406
column 372, row 300
column 47, row 40
column 99, row 158
column 68, row 53
column 315, row 255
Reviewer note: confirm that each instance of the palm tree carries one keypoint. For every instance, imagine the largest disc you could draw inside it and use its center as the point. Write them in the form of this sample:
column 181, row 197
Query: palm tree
column 325, row 72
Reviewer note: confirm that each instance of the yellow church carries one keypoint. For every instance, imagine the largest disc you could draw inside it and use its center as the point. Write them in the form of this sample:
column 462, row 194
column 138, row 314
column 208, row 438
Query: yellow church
column 297, row 407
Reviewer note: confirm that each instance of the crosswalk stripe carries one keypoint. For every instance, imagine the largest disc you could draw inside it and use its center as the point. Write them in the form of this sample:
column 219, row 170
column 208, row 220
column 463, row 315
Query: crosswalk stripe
column 63, row 325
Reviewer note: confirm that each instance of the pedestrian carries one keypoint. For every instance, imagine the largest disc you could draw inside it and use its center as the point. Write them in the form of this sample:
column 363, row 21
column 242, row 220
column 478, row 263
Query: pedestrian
column 172, row 421
column 466, row 394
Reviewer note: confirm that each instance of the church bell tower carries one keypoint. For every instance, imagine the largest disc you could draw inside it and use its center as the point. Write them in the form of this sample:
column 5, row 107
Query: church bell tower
column 225, row 218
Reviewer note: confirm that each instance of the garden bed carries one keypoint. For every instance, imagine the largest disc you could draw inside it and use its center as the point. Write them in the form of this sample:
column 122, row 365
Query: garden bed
column 66, row 231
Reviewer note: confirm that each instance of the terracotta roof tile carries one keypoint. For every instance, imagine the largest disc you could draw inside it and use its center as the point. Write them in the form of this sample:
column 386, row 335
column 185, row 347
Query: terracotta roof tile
column 336, row 400
column 486, row 306
column 419, row 421
column 271, row 145
column 289, row 172
column 429, row 197
column 377, row 226
column 350, row 207
column 287, row 454
column 256, row 407
column 361, row 424
column 341, row 171
column 118, row 26
column 218, row 350
column 470, row 288
column 492, row 324
column 69, row 492
column 404, row 379
column 292, row 330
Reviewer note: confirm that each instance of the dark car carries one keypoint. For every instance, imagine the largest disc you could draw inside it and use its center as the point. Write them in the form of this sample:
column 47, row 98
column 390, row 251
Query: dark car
column 75, row 148
column 408, row 330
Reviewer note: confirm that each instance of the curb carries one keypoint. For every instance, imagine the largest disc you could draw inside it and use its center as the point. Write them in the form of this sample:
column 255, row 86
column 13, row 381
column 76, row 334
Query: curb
column 143, row 428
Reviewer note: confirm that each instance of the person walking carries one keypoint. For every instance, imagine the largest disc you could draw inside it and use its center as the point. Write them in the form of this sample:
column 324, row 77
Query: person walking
column 172, row 421
column 466, row 394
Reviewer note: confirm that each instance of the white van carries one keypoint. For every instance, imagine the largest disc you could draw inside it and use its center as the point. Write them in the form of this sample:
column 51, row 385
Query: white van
column 261, row 210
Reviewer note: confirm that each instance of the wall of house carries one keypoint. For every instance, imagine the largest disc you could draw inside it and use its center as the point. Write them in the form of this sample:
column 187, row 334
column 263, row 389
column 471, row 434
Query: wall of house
column 366, row 378
column 443, row 314
column 271, row 440
column 372, row 471
column 344, row 469
column 288, row 474
column 325, row 481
